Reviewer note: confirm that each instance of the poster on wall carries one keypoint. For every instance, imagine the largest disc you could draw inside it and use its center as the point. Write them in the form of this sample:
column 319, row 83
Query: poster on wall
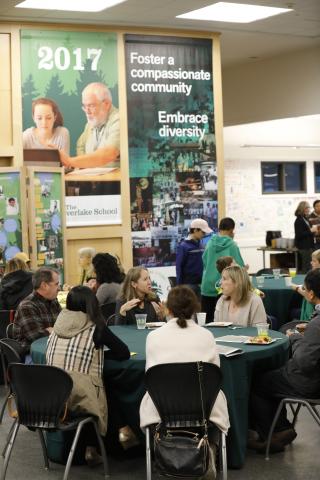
column 172, row 154
column 10, row 215
column 47, row 195
column 71, row 117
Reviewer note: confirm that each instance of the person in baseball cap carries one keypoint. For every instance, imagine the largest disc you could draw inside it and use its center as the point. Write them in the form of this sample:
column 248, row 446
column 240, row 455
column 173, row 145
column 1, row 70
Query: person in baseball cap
column 189, row 265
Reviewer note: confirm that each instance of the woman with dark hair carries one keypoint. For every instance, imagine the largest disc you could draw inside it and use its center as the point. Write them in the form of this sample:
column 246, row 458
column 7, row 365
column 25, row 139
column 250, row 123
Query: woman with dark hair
column 15, row 285
column 108, row 277
column 49, row 131
column 137, row 297
column 298, row 377
column 182, row 340
column 80, row 333
column 304, row 236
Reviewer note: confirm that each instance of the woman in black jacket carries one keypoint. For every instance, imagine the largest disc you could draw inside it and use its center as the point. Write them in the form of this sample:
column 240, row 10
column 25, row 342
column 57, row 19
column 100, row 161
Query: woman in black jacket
column 15, row 285
column 304, row 236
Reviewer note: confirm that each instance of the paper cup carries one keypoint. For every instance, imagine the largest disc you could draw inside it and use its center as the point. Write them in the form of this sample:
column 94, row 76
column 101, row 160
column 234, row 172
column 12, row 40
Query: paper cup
column 201, row 318
column 288, row 281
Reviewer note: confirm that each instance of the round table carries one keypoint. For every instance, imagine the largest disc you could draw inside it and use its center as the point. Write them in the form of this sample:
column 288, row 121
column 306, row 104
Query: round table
column 279, row 298
column 126, row 378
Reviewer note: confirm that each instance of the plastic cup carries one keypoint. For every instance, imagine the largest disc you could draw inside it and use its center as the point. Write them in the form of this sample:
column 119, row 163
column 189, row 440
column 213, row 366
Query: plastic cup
column 260, row 282
column 288, row 281
column 201, row 318
column 292, row 272
column 262, row 329
column 141, row 319
column 276, row 273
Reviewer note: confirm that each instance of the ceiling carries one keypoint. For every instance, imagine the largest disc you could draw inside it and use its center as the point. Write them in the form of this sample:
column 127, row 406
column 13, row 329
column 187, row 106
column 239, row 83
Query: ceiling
column 240, row 43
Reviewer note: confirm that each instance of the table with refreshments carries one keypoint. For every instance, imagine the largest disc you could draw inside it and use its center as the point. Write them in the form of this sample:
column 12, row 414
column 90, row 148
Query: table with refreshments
column 280, row 298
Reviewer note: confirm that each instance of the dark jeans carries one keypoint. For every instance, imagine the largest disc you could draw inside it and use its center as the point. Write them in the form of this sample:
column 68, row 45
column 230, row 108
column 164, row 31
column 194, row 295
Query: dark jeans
column 263, row 403
column 208, row 305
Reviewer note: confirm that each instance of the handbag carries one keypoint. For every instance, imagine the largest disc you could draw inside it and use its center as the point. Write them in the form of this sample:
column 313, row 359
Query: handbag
column 183, row 453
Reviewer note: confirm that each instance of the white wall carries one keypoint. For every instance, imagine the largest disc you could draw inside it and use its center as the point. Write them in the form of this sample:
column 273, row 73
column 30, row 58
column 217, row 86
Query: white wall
column 253, row 212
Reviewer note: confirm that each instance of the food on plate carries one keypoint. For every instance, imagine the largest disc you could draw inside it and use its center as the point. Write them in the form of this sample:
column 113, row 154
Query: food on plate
column 263, row 340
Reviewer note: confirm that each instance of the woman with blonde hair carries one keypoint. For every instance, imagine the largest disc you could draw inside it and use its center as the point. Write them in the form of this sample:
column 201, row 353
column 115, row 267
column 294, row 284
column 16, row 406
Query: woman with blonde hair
column 16, row 284
column 49, row 131
column 85, row 256
column 136, row 296
column 304, row 236
column 238, row 303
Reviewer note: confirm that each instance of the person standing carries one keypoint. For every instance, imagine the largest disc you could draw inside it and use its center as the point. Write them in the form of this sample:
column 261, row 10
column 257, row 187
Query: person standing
column 304, row 236
column 189, row 266
column 314, row 219
column 219, row 245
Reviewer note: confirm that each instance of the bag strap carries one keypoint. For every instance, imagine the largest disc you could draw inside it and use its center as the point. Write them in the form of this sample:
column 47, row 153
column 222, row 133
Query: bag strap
column 201, row 386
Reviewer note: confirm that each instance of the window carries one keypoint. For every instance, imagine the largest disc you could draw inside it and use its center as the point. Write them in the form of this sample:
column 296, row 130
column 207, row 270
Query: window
column 317, row 177
column 284, row 177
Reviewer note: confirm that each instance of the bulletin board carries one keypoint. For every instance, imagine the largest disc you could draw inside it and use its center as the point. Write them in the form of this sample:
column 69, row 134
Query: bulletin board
column 13, row 226
column 46, row 214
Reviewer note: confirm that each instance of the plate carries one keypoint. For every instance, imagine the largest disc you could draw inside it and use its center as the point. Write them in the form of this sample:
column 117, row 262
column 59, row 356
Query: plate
column 218, row 324
column 253, row 341
column 154, row 324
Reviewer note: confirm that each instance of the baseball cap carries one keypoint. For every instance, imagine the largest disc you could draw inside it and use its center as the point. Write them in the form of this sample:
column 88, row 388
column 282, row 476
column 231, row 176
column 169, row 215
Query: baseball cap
column 201, row 224
column 22, row 256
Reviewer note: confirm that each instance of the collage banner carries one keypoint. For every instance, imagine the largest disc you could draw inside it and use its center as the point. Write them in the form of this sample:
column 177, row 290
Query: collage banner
column 70, row 112
column 172, row 152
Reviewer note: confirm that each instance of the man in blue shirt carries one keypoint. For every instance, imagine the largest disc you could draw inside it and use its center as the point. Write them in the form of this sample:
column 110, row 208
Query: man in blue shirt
column 189, row 256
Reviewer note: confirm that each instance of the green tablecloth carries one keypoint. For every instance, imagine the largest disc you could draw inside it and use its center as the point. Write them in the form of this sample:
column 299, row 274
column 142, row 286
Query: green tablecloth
column 280, row 299
column 126, row 378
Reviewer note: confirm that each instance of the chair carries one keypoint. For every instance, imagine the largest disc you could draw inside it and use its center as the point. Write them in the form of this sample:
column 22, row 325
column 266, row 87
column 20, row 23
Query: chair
column 11, row 351
column 9, row 330
column 111, row 320
column 309, row 403
column 41, row 393
column 174, row 389
column 172, row 281
column 108, row 309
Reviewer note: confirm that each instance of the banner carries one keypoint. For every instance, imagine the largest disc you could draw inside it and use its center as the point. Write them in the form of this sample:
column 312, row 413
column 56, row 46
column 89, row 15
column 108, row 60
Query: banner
column 172, row 154
column 70, row 110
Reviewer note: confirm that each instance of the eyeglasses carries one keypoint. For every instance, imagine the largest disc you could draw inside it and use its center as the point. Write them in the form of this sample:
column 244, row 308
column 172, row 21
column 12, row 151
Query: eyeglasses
column 90, row 106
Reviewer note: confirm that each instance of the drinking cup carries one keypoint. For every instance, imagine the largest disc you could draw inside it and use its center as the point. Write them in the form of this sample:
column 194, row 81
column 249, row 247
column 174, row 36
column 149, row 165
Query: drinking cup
column 276, row 273
column 292, row 272
column 260, row 281
column 288, row 281
column 201, row 318
column 262, row 329
column 141, row 319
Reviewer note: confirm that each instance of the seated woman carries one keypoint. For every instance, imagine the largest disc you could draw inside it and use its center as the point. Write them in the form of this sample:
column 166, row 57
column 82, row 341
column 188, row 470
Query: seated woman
column 239, row 304
column 298, row 377
column 108, row 277
column 80, row 332
column 137, row 297
column 16, row 284
column 85, row 256
column 184, row 341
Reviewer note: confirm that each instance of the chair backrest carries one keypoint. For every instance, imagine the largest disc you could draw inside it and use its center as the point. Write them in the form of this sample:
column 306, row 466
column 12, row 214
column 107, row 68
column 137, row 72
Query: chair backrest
column 41, row 393
column 175, row 391
column 9, row 330
column 6, row 316
column 111, row 320
column 108, row 309
column 264, row 271
column 11, row 350
column 173, row 281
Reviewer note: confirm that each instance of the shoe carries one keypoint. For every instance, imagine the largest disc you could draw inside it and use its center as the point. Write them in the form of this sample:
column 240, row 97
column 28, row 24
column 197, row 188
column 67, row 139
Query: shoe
column 260, row 446
column 285, row 436
column 92, row 457
column 128, row 440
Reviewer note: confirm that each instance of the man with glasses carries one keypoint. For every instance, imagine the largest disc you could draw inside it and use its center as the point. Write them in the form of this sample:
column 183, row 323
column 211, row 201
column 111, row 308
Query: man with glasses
column 99, row 144
column 36, row 314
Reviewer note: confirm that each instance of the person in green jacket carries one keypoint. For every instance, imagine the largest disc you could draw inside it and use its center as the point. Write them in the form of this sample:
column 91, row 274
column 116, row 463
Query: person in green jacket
column 219, row 245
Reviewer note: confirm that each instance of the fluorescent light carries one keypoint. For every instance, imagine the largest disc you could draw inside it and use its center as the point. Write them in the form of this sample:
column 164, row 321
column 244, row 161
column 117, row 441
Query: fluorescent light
column 70, row 5
column 233, row 12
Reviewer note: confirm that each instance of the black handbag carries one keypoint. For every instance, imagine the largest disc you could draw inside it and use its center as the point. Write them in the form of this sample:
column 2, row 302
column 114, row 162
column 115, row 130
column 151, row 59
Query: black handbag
column 183, row 453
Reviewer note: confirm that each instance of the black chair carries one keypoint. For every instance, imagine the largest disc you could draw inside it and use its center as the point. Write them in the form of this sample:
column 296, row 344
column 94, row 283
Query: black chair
column 11, row 351
column 172, row 281
column 111, row 320
column 108, row 309
column 174, row 389
column 41, row 393
column 295, row 404
column 9, row 330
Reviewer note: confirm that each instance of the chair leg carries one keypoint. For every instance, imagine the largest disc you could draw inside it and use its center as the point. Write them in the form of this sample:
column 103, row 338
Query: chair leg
column 9, row 450
column 148, row 454
column 72, row 450
column 223, row 448
column 8, row 437
column 4, row 406
column 295, row 415
column 44, row 449
column 273, row 424
column 4, row 370
column 102, row 450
